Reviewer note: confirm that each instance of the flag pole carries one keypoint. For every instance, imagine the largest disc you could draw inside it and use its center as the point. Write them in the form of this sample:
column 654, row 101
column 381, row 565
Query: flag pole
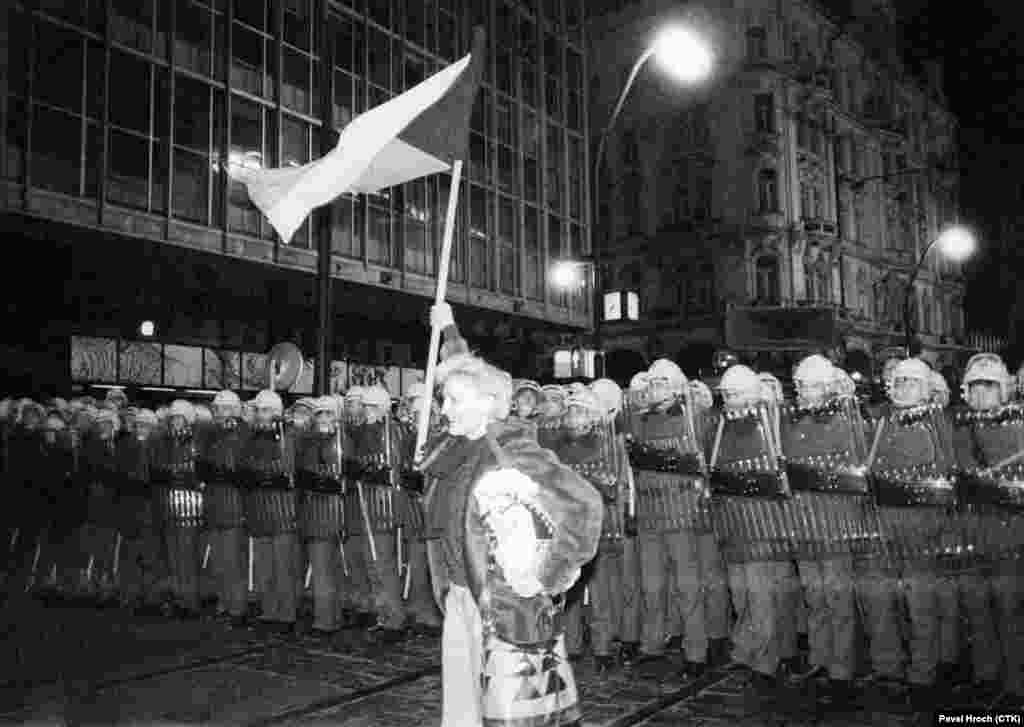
column 442, row 287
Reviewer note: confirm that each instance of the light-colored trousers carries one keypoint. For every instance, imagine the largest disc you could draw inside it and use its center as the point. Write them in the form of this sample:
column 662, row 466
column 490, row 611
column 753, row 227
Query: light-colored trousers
column 461, row 660
column 673, row 585
column 760, row 597
column 831, row 614
column 276, row 568
column 1009, row 597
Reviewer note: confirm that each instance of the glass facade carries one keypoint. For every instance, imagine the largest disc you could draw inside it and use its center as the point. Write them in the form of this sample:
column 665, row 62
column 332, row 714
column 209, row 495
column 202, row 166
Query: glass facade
column 142, row 104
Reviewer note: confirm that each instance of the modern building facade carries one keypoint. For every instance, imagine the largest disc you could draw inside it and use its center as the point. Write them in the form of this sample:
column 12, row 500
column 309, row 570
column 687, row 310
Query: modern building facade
column 120, row 119
column 781, row 205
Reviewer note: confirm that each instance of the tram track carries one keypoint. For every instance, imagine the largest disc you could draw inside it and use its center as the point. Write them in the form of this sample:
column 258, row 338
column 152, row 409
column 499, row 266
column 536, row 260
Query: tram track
column 327, row 703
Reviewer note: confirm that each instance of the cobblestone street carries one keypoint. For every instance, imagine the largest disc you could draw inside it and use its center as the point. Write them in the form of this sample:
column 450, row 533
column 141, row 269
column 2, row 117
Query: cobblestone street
column 86, row 666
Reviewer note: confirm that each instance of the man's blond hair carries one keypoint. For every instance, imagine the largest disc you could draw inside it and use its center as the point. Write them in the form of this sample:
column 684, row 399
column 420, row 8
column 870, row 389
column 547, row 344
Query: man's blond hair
column 486, row 378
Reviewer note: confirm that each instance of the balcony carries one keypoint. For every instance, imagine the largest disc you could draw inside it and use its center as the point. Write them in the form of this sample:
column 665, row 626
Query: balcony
column 767, row 143
column 820, row 227
column 767, row 219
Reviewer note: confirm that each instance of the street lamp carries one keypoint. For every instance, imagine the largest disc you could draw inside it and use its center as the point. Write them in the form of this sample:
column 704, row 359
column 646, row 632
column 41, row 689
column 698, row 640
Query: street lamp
column 957, row 243
column 684, row 55
column 566, row 274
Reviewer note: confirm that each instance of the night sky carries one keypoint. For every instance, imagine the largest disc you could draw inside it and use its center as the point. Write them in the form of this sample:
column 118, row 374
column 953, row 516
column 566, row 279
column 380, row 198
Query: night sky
column 984, row 64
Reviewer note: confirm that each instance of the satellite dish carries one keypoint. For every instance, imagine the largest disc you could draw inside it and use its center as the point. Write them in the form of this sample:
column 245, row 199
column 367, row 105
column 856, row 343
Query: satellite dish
column 284, row 366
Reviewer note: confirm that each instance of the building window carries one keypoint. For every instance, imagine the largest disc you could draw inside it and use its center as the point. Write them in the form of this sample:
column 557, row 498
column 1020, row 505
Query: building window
column 822, row 283
column 764, row 112
column 768, row 191
column 757, row 43
column 766, row 280
column 863, row 294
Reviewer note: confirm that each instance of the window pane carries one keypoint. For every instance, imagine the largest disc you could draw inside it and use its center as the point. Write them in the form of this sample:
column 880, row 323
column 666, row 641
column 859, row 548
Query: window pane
column 447, row 36
column 530, row 84
column 478, row 159
column 378, row 243
column 251, row 12
column 508, row 251
column 343, row 242
column 246, row 132
column 129, row 109
column 95, row 78
column 57, row 151
column 194, row 34
column 479, row 235
column 556, row 247
column 297, row 28
column 162, row 103
column 348, row 43
column 508, row 170
column 161, row 177
column 345, row 101
column 419, row 257
column 379, row 58
column 379, row 11
column 247, row 60
column 192, row 114
column 294, row 142
column 531, row 134
column 131, row 23
column 14, row 153
column 555, row 165
column 128, row 170
column 553, row 97
column 93, row 160
column 59, row 67
column 552, row 56
column 415, row 16
column 190, row 185
column 505, row 110
column 531, row 179
column 295, row 91
column 415, row 69
column 533, row 287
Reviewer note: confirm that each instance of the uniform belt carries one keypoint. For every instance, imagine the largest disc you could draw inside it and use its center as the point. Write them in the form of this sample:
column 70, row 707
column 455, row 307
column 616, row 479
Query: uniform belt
column 807, row 478
column 747, row 484
column 894, row 492
column 1004, row 493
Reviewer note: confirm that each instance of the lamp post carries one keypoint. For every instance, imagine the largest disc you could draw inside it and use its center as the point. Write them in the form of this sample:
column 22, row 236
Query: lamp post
column 685, row 55
column 957, row 243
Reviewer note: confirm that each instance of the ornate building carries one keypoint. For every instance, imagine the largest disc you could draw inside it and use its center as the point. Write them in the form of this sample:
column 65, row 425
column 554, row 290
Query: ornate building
column 119, row 120
column 780, row 205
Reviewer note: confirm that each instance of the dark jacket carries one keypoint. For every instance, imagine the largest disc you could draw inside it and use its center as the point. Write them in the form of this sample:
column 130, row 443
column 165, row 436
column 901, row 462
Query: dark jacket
column 569, row 501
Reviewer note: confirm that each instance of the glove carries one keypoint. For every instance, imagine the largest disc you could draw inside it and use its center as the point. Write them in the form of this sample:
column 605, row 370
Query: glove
column 441, row 316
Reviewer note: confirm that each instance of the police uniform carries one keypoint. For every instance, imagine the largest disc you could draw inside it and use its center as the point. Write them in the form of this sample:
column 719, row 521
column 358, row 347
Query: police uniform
column 219, row 462
column 99, row 477
column 373, row 517
column 672, row 515
column 990, row 522
column 318, row 475
column 593, row 454
column 140, row 563
column 267, row 467
column 178, row 506
column 914, row 492
column 752, row 530
column 823, row 447
column 418, row 593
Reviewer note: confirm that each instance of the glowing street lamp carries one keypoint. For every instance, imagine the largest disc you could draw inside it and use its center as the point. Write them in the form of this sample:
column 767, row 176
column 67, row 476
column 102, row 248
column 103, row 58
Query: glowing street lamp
column 681, row 53
column 566, row 274
column 685, row 55
column 147, row 329
column 956, row 243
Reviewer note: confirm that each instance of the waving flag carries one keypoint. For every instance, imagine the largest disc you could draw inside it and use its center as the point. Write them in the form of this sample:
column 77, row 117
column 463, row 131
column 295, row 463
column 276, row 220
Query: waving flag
column 420, row 132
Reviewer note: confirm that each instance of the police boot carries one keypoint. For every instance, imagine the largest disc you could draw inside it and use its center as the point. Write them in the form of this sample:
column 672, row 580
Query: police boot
column 842, row 696
column 604, row 664
column 628, row 653
column 719, row 653
column 655, row 666
column 384, row 635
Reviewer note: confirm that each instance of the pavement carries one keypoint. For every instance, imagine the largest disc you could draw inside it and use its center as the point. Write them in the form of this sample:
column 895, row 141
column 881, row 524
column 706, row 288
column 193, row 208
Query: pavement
column 82, row 665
